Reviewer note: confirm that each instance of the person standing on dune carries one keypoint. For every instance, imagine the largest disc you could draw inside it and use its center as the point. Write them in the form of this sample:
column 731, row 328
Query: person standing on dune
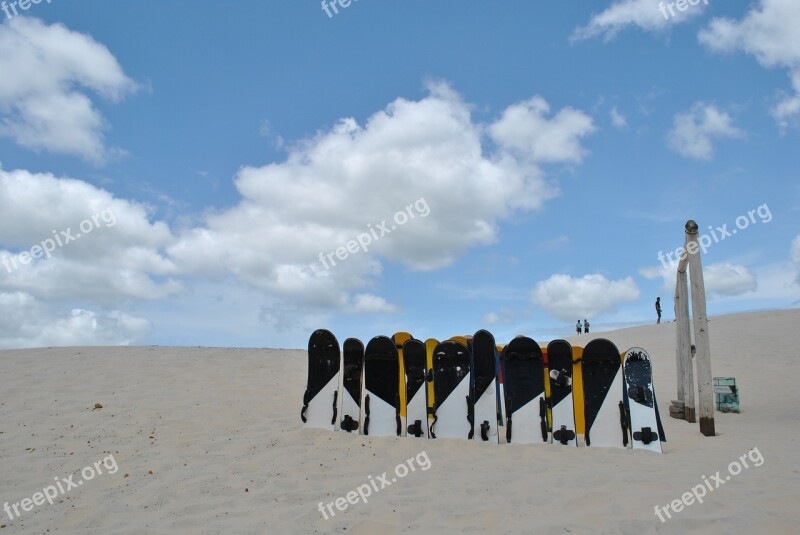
column 658, row 309
column 578, row 326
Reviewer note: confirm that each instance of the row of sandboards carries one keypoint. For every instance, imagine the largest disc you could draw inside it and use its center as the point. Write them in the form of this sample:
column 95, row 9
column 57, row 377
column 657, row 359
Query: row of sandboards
column 471, row 388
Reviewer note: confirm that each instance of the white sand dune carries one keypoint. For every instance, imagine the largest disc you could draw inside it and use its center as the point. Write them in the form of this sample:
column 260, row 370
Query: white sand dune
column 221, row 433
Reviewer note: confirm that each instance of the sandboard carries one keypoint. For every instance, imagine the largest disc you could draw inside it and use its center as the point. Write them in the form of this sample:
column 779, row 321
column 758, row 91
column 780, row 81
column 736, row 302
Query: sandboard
column 451, row 382
column 399, row 338
column 321, row 398
column 380, row 406
column 416, row 362
column 604, row 409
column 484, row 392
column 350, row 393
column 641, row 400
column 430, row 346
column 559, row 366
column 523, row 383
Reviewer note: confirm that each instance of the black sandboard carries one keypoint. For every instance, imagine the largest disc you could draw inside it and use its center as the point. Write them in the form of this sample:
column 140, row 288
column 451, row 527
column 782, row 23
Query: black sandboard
column 324, row 361
column 381, row 405
column 603, row 384
column 560, row 373
column 523, row 382
column 353, row 358
column 415, row 361
column 451, row 384
column 484, row 389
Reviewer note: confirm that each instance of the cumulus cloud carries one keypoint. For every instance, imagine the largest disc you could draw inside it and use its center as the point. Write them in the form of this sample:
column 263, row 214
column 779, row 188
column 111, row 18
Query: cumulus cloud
column 645, row 14
column 44, row 105
column 409, row 177
column 568, row 298
column 346, row 181
column 525, row 129
column 694, row 131
column 723, row 279
column 28, row 322
column 366, row 303
column 769, row 33
column 728, row 279
column 120, row 257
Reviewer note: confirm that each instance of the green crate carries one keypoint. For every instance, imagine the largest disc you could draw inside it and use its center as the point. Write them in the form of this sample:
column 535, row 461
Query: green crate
column 726, row 394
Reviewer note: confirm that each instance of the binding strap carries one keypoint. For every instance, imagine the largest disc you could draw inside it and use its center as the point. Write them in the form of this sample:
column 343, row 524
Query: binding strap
column 305, row 406
column 397, row 414
column 509, row 412
column 471, row 417
column 366, row 418
column 485, row 430
column 623, row 420
column 415, row 428
column 543, row 418
column 349, row 424
column 646, row 435
column 335, row 407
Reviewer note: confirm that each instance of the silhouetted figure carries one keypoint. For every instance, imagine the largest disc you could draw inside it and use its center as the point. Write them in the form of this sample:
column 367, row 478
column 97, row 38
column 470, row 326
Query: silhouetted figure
column 658, row 309
column 578, row 326
column 585, row 326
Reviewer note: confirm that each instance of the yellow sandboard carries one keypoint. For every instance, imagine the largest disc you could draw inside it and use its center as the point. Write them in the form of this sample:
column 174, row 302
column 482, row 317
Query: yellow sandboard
column 400, row 338
column 577, row 391
column 430, row 346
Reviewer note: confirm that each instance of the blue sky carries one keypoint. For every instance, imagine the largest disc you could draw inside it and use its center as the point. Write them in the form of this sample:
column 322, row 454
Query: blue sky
column 547, row 152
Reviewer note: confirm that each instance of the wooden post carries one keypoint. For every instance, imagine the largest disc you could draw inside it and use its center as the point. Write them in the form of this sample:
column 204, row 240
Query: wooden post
column 683, row 352
column 705, row 391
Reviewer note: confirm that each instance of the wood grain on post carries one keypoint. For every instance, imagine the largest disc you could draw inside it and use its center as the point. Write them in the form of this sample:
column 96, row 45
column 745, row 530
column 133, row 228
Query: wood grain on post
column 683, row 351
column 705, row 391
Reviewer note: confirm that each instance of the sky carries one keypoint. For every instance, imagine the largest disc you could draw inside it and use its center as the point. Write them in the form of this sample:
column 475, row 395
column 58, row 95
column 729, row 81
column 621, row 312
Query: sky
column 240, row 174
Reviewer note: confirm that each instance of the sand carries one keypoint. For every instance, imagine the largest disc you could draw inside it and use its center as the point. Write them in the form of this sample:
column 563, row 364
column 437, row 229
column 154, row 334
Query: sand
column 210, row 441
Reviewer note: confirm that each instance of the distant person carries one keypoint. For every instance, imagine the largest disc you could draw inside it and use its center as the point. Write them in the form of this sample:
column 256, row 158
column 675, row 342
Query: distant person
column 578, row 326
column 585, row 326
column 658, row 309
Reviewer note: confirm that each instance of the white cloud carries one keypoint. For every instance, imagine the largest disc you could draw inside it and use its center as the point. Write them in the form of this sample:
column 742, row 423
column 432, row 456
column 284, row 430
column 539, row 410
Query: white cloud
column 367, row 303
column 427, row 158
column 769, row 33
column 648, row 15
column 668, row 274
column 694, row 131
column 568, row 298
column 28, row 322
column 728, row 279
column 121, row 257
column 617, row 119
column 525, row 129
column 795, row 255
column 334, row 186
column 43, row 105
column 491, row 318
column 723, row 279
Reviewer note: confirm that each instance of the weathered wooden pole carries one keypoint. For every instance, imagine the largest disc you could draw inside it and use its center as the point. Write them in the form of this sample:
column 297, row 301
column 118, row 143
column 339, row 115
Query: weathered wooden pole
column 705, row 391
column 683, row 344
